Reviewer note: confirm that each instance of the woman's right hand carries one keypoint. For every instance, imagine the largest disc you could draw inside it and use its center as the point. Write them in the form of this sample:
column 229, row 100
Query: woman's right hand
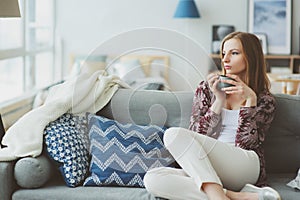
column 213, row 81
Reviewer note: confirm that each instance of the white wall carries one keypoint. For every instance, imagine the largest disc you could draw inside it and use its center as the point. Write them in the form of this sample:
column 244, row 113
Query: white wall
column 84, row 25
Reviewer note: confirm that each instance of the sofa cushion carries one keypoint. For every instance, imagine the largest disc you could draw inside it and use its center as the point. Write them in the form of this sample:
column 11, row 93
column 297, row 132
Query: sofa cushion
column 162, row 108
column 62, row 192
column 67, row 143
column 122, row 153
column 32, row 172
column 279, row 181
column 282, row 143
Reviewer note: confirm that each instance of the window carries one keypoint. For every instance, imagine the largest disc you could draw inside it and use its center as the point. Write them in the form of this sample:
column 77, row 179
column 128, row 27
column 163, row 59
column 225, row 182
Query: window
column 11, row 76
column 27, row 60
column 10, row 33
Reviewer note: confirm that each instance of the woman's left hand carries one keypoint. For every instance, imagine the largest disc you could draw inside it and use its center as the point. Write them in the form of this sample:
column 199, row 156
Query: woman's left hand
column 240, row 88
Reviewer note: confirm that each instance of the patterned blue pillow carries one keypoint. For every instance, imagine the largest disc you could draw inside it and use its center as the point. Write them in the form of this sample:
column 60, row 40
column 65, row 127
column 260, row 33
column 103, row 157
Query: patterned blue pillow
column 67, row 143
column 123, row 153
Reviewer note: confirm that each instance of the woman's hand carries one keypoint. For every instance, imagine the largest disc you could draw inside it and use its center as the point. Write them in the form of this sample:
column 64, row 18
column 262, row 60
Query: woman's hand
column 240, row 88
column 213, row 81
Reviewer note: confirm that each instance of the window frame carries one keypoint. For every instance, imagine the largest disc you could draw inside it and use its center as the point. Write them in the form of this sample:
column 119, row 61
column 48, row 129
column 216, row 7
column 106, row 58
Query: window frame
column 18, row 106
column 24, row 52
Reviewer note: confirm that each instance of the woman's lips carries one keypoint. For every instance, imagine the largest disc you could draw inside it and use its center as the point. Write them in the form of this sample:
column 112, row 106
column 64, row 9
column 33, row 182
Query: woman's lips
column 227, row 67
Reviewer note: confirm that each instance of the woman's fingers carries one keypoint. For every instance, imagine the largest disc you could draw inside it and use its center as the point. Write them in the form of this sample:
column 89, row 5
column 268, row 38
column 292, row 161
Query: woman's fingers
column 232, row 82
column 233, row 76
column 212, row 79
column 240, row 89
column 231, row 90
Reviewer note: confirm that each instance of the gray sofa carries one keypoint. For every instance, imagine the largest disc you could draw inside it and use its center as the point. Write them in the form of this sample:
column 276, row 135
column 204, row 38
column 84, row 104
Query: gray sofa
column 282, row 148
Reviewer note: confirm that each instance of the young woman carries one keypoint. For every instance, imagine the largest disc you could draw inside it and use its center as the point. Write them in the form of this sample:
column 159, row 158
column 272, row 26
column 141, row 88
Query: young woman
column 221, row 155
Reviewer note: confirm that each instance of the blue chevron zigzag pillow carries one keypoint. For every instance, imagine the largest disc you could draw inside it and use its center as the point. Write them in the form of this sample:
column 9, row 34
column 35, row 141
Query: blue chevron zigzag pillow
column 123, row 153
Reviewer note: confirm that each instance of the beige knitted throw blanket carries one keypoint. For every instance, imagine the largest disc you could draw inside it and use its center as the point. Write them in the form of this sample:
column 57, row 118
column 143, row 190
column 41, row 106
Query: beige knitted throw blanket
column 78, row 95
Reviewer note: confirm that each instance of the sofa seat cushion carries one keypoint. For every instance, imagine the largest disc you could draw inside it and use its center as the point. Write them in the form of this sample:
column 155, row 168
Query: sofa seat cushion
column 278, row 181
column 58, row 190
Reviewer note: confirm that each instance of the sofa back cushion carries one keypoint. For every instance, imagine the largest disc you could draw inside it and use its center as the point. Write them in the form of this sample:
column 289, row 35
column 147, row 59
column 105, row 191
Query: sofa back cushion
column 282, row 143
column 145, row 107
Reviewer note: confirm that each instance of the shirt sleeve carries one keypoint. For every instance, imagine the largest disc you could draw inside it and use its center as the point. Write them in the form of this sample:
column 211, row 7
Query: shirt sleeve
column 203, row 119
column 255, row 121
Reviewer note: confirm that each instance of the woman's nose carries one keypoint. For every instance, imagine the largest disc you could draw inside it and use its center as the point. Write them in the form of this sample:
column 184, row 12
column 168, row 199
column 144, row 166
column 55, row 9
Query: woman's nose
column 225, row 58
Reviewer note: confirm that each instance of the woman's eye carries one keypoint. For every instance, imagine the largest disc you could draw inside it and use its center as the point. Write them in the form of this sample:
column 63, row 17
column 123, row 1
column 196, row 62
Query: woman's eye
column 235, row 53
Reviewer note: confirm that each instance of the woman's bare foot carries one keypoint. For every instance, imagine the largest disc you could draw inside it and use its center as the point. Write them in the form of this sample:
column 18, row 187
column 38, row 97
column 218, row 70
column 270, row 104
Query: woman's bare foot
column 241, row 195
column 214, row 191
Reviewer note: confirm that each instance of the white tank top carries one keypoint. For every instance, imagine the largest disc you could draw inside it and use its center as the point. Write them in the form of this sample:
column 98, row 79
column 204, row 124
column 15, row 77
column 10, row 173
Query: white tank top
column 229, row 125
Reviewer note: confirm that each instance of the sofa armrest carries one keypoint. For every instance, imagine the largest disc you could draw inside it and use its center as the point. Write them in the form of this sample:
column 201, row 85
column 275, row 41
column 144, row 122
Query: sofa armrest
column 7, row 180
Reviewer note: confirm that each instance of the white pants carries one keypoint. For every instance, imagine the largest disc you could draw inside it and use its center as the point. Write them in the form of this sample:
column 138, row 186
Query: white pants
column 203, row 159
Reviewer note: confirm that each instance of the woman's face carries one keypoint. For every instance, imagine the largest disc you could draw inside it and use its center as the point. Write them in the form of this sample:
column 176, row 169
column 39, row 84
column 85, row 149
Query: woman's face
column 233, row 58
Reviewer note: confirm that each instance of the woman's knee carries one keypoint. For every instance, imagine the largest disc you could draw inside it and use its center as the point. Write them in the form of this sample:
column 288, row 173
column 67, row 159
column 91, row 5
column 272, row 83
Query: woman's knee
column 151, row 179
column 177, row 138
column 174, row 134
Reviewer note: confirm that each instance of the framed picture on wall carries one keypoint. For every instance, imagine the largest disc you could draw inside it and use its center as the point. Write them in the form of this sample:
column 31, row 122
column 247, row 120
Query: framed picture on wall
column 218, row 33
column 263, row 41
column 273, row 18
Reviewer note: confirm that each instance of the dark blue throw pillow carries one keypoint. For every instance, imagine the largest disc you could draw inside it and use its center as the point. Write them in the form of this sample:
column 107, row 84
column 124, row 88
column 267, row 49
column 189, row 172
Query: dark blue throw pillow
column 67, row 143
column 123, row 153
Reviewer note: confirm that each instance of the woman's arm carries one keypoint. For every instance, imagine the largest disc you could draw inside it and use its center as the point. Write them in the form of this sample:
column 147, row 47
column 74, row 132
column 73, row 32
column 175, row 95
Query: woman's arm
column 254, row 121
column 203, row 118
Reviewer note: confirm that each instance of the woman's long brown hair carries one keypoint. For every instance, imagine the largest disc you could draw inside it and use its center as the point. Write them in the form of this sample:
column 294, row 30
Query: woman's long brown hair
column 256, row 72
